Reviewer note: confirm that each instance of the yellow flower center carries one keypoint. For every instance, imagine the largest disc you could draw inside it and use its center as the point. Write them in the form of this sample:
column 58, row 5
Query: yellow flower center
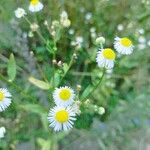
column 34, row 2
column 62, row 116
column 126, row 42
column 65, row 94
column 109, row 53
column 2, row 96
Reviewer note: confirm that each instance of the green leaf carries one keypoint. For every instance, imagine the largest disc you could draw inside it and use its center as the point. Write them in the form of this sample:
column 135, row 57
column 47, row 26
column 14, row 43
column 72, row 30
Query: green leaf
column 58, row 34
column 65, row 67
column 45, row 144
column 84, row 121
column 41, row 84
column 11, row 68
column 56, row 79
column 86, row 92
column 33, row 108
column 44, row 121
column 51, row 47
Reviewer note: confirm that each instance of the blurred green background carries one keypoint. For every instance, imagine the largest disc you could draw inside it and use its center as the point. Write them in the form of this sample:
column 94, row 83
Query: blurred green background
column 125, row 94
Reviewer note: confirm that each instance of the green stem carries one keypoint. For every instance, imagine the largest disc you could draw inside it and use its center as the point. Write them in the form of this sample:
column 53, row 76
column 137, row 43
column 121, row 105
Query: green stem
column 44, row 40
column 41, row 72
column 39, row 34
column 69, row 66
column 96, row 86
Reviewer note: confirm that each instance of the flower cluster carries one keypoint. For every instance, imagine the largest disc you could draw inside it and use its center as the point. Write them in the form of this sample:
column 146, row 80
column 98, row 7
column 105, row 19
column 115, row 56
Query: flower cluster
column 106, row 56
column 63, row 115
column 78, row 42
column 64, row 19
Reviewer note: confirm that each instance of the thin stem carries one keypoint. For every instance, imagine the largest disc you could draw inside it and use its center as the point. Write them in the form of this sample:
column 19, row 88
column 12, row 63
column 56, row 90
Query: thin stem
column 53, row 65
column 44, row 40
column 96, row 86
column 101, row 46
column 69, row 66
column 41, row 72
column 39, row 34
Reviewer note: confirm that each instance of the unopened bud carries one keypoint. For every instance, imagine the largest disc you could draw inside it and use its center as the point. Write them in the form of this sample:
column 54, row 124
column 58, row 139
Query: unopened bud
column 45, row 23
column 31, row 53
column 30, row 34
column 95, row 108
column 59, row 63
column 53, row 33
column 34, row 27
column 75, row 56
column 55, row 23
column 66, row 23
column 87, row 102
column 101, row 110
column 100, row 40
column 54, row 61
column 78, row 87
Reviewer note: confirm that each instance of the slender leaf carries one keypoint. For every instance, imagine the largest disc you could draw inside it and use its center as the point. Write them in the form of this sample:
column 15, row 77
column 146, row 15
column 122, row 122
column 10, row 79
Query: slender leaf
column 11, row 68
column 41, row 84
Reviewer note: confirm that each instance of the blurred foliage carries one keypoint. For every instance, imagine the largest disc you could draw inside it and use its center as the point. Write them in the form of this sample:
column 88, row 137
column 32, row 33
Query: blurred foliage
column 125, row 93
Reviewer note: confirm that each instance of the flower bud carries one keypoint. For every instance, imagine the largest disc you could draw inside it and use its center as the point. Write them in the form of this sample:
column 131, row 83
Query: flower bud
column 100, row 40
column 87, row 102
column 34, row 27
column 66, row 23
column 75, row 56
column 59, row 63
column 54, row 61
column 78, row 88
column 101, row 110
column 2, row 132
column 45, row 23
column 30, row 34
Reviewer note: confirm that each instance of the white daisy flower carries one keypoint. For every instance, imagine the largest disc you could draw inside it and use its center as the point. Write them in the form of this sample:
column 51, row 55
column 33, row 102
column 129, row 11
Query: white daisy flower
column 105, row 58
column 123, row 45
column 2, row 132
column 20, row 12
column 35, row 6
column 5, row 99
column 61, row 118
column 64, row 96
